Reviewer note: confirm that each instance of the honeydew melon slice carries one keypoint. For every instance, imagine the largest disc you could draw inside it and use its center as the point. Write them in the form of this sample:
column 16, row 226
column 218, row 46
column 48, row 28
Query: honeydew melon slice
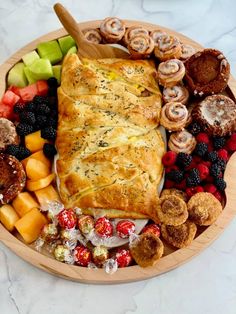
column 72, row 50
column 50, row 50
column 40, row 69
column 66, row 43
column 16, row 75
column 30, row 57
column 57, row 72
column 29, row 76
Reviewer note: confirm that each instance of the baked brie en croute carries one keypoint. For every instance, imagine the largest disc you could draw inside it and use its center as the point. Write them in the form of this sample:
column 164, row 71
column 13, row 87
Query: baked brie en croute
column 109, row 146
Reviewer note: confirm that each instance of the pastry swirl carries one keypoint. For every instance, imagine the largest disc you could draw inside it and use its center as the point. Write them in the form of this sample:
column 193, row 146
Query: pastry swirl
column 133, row 31
column 175, row 192
column 182, row 141
column 167, row 47
column 174, row 116
column 112, row 29
column 156, row 34
column 93, row 35
column 186, row 52
column 170, row 72
column 140, row 46
column 176, row 93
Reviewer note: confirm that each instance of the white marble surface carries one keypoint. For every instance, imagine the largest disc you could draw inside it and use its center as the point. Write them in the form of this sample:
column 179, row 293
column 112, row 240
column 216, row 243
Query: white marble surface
column 207, row 284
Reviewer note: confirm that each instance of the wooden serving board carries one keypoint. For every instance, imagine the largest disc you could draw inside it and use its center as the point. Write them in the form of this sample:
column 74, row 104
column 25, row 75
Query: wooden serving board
column 171, row 258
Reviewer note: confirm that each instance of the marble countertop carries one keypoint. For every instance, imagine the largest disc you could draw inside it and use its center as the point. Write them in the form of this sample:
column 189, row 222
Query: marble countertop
column 207, row 284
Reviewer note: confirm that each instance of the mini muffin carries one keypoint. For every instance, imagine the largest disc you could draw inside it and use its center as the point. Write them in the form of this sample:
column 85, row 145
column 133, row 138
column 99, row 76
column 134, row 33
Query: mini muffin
column 112, row 29
column 179, row 236
column 170, row 72
column 140, row 46
column 133, row 31
column 204, row 208
column 182, row 142
column 167, row 47
column 172, row 210
column 186, row 52
column 216, row 114
column 8, row 134
column 175, row 192
column 207, row 72
column 93, row 35
column 146, row 249
column 174, row 116
column 177, row 93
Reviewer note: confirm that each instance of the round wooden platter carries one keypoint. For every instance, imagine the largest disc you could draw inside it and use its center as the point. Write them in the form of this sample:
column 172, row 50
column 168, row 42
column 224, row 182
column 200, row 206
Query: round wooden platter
column 171, row 258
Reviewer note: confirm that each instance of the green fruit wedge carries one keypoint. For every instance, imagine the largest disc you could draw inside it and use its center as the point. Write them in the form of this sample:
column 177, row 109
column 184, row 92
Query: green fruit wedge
column 72, row 50
column 16, row 75
column 50, row 50
column 66, row 43
column 30, row 57
column 57, row 72
column 40, row 69
column 29, row 76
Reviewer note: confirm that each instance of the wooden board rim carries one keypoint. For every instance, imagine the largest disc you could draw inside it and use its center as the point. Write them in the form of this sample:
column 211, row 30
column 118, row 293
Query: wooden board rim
column 132, row 273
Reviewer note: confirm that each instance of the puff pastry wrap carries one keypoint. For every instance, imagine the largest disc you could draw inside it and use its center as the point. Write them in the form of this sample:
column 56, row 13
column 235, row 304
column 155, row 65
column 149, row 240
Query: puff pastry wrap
column 108, row 143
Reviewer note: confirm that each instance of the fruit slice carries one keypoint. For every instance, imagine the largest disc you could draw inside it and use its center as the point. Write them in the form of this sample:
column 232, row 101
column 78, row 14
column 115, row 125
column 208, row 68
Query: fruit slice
column 38, row 156
column 30, row 225
column 50, row 50
column 39, row 184
column 36, row 169
column 27, row 93
column 23, row 203
column 10, row 98
column 8, row 217
column 29, row 76
column 57, row 72
column 41, row 69
column 30, row 57
column 6, row 111
column 42, row 87
column 72, row 50
column 16, row 75
column 46, row 195
column 34, row 141
column 66, row 43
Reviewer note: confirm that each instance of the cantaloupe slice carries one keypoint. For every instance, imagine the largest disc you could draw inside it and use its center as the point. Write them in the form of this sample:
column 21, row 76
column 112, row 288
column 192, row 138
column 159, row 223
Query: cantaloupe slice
column 46, row 195
column 34, row 141
column 30, row 225
column 8, row 217
column 39, row 184
column 36, row 169
column 23, row 203
column 38, row 156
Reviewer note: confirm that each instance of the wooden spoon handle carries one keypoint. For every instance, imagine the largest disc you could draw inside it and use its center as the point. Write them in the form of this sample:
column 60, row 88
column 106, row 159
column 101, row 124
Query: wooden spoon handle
column 69, row 23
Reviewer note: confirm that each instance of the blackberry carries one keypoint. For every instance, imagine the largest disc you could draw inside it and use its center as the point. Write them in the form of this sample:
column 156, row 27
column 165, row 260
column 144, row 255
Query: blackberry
column 49, row 133
column 30, row 106
column 212, row 156
column 49, row 150
column 39, row 100
column 43, row 109
column 23, row 129
column 215, row 170
column 41, row 121
column 221, row 163
column 23, row 153
column 19, row 107
column 194, row 128
column 183, row 160
column 12, row 150
column 175, row 175
column 27, row 117
column 193, row 178
column 201, row 149
column 52, row 122
column 220, row 184
column 52, row 82
column 218, row 142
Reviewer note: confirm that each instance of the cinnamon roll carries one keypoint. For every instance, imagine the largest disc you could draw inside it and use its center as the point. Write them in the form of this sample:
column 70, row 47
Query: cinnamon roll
column 177, row 93
column 140, row 46
column 182, row 141
column 186, row 51
column 92, row 35
column 133, row 31
column 174, row 116
column 156, row 34
column 170, row 72
column 112, row 29
column 167, row 47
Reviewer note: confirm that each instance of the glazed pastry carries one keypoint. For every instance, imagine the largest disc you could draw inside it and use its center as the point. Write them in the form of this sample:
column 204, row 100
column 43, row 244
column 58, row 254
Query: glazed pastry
column 12, row 178
column 174, row 116
column 140, row 46
column 204, row 208
column 175, row 192
column 146, row 249
column 133, row 31
column 207, row 72
column 179, row 236
column 170, row 72
column 92, row 35
column 112, row 29
column 216, row 114
column 182, row 141
column 8, row 134
column 156, row 34
column 186, row 52
column 167, row 47
column 177, row 93
column 172, row 210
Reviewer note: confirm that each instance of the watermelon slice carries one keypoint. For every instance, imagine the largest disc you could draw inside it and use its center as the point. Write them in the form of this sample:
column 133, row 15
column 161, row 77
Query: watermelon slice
column 27, row 93
column 42, row 87
column 10, row 98
column 6, row 111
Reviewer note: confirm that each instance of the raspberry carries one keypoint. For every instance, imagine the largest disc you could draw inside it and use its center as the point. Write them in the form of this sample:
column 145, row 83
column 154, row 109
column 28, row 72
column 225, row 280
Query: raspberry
column 124, row 228
column 152, row 228
column 210, row 147
column 201, row 149
column 231, row 145
column 218, row 142
column 103, row 227
column 203, row 171
column 82, row 256
column 123, row 258
column 203, row 138
column 206, row 163
column 210, row 179
column 67, row 219
column 212, row 156
column 218, row 195
column 192, row 165
column 220, row 184
column 169, row 158
column 169, row 184
column 197, row 159
column 210, row 188
column 215, row 170
column 169, row 169
column 233, row 137
column 181, row 185
column 183, row 160
column 175, row 175
column 223, row 154
column 193, row 178
column 191, row 191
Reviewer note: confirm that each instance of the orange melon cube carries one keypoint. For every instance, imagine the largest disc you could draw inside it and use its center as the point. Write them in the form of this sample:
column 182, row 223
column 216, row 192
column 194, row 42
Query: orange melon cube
column 38, row 156
column 32, row 185
column 34, row 141
column 46, row 195
column 36, row 169
column 23, row 203
column 8, row 217
column 30, row 225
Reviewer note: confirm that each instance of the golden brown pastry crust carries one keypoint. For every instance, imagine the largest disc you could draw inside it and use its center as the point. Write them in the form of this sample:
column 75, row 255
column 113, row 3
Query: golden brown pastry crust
column 176, row 192
column 167, row 47
column 186, row 51
column 174, row 116
column 133, row 31
column 112, row 29
column 204, row 208
column 140, row 46
column 93, row 35
column 170, row 72
column 109, row 146
column 156, row 34
column 177, row 93
column 182, row 141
